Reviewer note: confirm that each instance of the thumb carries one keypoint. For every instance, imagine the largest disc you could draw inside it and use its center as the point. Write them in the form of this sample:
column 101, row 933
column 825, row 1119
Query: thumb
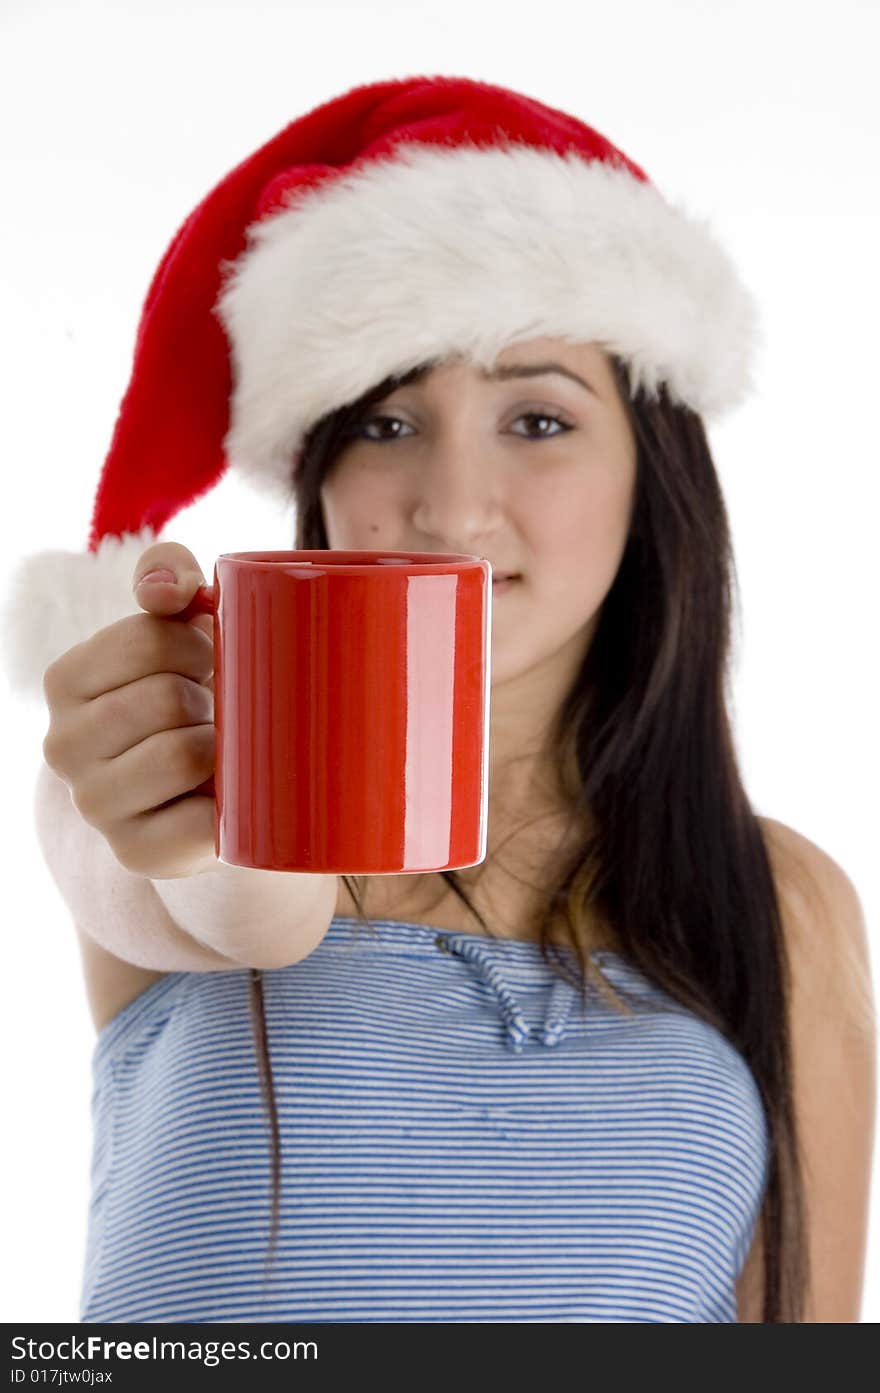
column 166, row 579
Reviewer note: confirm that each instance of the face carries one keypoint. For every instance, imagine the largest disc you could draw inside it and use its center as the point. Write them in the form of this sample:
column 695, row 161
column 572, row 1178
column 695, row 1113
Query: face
column 535, row 471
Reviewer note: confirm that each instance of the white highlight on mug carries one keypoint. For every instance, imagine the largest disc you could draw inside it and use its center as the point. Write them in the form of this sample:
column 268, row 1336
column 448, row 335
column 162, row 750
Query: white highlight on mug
column 430, row 662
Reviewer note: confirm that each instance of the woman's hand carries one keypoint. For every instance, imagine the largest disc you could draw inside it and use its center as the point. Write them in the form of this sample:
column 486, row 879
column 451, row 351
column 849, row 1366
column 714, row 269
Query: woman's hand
column 131, row 728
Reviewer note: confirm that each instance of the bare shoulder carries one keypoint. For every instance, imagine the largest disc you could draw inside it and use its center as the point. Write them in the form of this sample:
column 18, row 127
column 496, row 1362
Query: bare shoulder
column 824, row 923
column 799, row 863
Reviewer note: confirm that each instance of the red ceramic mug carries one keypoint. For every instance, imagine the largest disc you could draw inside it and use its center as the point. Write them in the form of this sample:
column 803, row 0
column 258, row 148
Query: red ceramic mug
column 351, row 706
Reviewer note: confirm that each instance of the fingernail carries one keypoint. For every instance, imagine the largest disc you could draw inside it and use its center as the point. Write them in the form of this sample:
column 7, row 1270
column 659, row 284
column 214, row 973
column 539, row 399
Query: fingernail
column 159, row 575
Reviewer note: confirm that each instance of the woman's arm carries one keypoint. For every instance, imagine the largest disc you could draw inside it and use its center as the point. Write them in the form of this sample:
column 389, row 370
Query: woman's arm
column 195, row 923
column 833, row 1029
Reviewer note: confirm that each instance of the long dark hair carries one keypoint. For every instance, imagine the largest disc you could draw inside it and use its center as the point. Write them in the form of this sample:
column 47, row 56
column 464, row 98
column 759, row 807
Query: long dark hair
column 675, row 859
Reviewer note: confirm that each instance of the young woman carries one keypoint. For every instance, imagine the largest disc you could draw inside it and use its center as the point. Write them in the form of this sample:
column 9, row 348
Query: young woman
column 622, row 1070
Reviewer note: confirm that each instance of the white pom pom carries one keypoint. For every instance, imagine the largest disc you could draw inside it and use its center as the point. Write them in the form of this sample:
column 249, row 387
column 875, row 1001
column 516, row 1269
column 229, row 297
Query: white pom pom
column 56, row 599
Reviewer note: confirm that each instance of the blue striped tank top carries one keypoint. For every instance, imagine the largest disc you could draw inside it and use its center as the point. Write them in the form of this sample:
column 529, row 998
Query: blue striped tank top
column 463, row 1138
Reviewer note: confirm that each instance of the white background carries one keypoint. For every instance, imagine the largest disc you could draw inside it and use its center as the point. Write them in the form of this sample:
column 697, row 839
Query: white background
column 118, row 118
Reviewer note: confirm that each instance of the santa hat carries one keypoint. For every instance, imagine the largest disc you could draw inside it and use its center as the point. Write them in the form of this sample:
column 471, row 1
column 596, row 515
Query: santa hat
column 401, row 222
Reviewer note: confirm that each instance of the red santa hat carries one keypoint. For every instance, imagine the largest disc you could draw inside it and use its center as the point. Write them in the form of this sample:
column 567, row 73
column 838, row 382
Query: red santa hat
column 404, row 221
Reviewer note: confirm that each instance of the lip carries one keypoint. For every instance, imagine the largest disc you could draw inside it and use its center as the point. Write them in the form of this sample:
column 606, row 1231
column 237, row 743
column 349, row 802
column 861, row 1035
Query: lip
column 502, row 584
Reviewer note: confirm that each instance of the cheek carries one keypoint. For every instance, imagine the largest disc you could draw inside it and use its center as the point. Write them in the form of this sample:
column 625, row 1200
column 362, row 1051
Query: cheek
column 579, row 530
column 353, row 508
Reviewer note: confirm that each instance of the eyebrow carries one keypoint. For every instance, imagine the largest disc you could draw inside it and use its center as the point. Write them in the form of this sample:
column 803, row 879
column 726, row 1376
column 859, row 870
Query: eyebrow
column 533, row 370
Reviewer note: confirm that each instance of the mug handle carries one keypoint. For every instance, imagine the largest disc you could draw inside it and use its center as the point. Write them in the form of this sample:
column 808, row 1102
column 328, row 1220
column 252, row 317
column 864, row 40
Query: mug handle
column 202, row 602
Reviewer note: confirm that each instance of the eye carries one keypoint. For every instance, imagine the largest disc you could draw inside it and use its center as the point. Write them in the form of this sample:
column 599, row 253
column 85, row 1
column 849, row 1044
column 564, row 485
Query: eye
column 545, row 416
column 359, row 428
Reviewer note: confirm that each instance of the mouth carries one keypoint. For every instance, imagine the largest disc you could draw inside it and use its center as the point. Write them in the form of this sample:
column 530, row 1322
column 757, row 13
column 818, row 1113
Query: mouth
column 501, row 583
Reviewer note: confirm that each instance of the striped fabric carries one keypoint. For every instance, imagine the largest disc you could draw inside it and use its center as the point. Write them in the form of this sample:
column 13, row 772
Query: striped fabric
column 461, row 1141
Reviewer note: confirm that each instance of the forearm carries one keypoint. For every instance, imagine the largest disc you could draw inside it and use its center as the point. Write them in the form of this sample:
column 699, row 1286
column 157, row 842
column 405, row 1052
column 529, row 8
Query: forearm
column 192, row 924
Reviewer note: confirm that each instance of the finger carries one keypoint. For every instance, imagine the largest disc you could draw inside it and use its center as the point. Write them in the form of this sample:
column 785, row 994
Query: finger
column 140, row 780
column 133, row 647
column 120, row 719
column 166, row 577
column 165, row 842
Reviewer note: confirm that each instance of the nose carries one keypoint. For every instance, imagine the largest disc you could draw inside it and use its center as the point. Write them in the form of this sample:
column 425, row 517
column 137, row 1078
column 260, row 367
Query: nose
column 457, row 491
